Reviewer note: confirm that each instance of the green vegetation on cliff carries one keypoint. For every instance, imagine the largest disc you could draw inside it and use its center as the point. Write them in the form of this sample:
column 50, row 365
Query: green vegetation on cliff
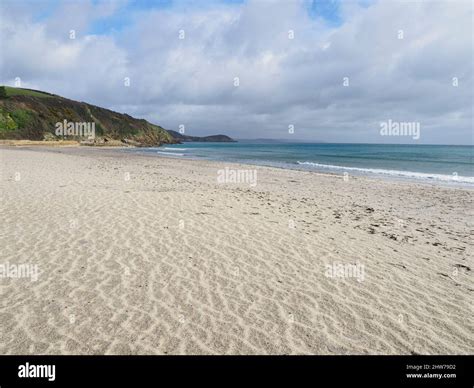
column 33, row 115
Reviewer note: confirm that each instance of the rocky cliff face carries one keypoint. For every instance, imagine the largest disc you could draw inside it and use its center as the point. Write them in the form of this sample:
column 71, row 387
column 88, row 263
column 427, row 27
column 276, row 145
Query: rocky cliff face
column 34, row 115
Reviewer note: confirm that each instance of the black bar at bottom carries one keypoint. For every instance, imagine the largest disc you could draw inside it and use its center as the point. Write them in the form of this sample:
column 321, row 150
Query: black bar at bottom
column 311, row 371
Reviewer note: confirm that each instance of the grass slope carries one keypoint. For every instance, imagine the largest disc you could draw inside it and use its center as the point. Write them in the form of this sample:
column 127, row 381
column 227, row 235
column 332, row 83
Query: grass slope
column 32, row 115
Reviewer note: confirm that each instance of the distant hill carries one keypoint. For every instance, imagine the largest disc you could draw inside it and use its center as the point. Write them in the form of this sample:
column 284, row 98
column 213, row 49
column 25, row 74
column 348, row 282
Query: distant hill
column 33, row 115
column 212, row 138
column 264, row 140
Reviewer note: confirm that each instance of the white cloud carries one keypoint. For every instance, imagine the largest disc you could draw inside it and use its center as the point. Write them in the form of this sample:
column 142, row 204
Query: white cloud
column 282, row 81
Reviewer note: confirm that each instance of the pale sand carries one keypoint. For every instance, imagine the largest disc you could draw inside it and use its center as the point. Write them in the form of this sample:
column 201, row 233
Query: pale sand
column 171, row 262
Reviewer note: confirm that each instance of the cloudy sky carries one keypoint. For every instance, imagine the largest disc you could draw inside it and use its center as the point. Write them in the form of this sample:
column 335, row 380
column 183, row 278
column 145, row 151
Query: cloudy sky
column 334, row 70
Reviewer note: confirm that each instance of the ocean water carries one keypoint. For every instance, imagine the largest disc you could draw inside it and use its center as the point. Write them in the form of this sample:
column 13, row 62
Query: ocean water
column 432, row 163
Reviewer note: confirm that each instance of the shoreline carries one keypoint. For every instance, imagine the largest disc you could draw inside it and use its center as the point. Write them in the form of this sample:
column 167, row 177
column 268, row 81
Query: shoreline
column 373, row 176
column 144, row 254
column 135, row 151
column 369, row 176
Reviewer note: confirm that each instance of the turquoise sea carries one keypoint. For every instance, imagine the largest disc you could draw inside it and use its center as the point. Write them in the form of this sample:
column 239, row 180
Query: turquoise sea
column 434, row 163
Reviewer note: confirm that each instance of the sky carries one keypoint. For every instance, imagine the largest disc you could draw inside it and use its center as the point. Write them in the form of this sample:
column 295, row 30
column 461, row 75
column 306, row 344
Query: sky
column 310, row 70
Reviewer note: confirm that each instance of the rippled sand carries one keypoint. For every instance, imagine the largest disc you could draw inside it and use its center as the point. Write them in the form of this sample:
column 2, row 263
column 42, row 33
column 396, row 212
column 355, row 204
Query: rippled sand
column 147, row 255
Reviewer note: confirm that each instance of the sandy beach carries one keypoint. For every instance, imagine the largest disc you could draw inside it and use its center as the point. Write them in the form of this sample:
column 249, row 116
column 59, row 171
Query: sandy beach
column 150, row 255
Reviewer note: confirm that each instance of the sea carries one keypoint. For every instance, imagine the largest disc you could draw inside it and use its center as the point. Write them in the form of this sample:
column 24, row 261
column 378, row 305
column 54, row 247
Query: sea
column 439, row 164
